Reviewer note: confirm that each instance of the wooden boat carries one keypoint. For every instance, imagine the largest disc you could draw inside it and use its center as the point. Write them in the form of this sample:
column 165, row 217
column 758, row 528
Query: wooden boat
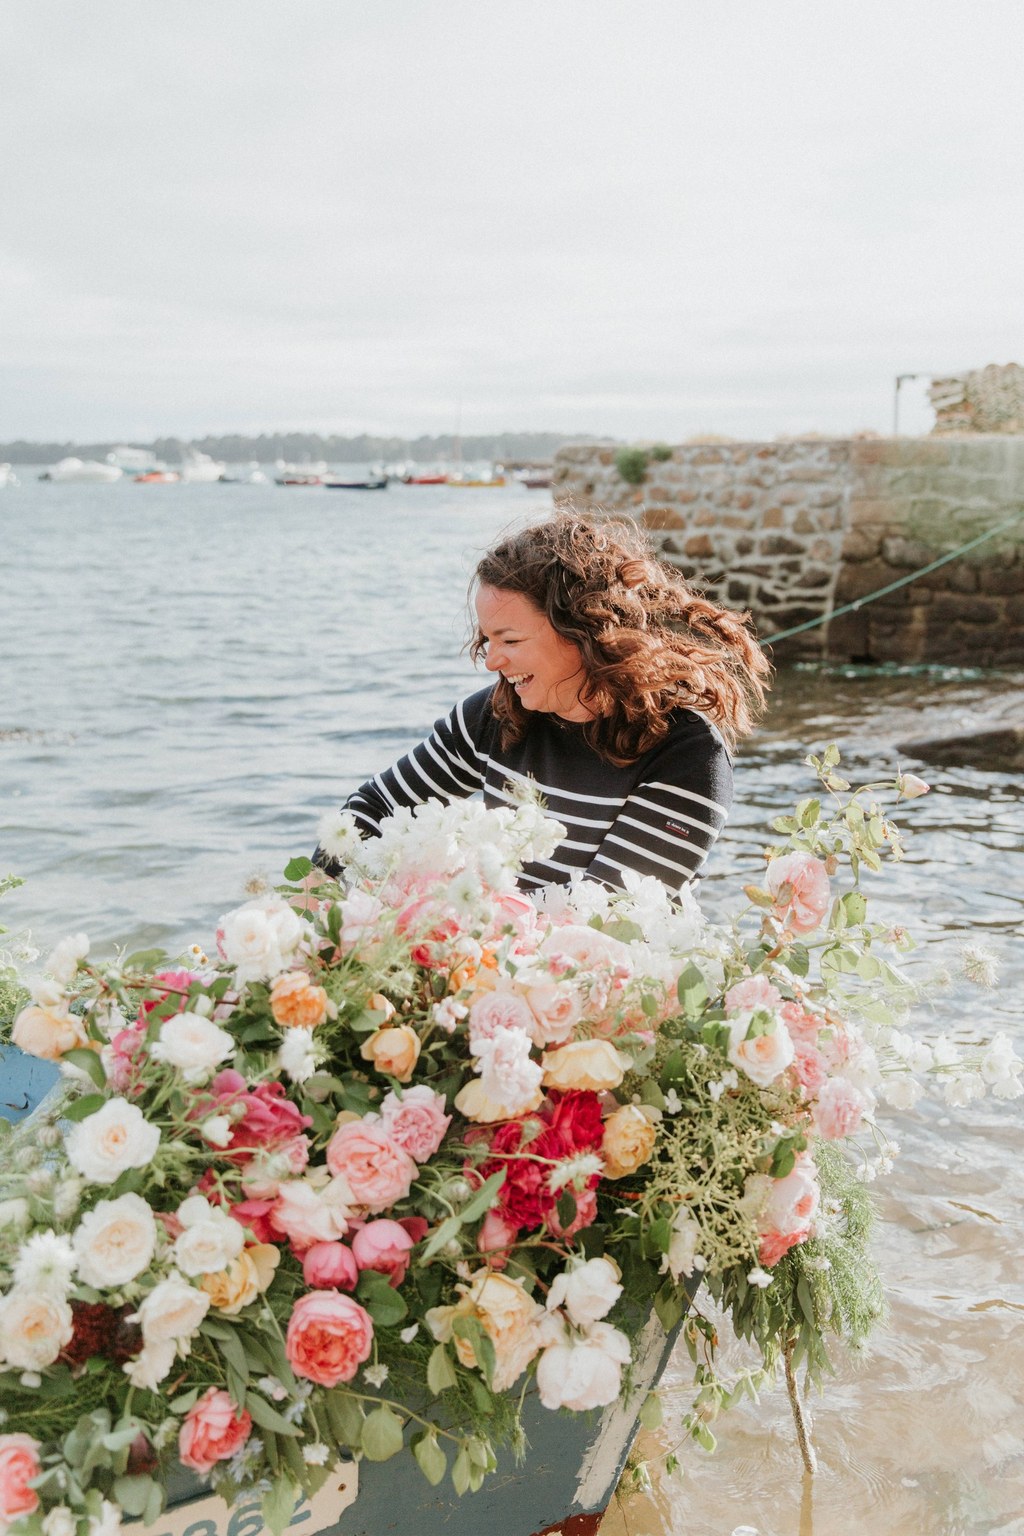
column 562, row 1487
column 438, row 479
column 475, row 484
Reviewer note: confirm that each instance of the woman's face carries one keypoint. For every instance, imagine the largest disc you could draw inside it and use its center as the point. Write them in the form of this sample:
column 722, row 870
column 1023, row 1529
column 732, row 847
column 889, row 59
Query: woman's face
column 544, row 668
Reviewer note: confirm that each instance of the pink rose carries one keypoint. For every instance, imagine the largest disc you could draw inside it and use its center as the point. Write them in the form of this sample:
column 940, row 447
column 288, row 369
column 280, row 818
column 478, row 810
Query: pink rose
column 306, row 1215
column 19, row 1463
column 556, row 1010
column 124, row 1057
column 416, row 1122
column 810, row 1067
column 788, row 1211
column 496, row 1234
column 799, row 883
column 385, row 1246
column 586, row 1210
column 800, row 1024
column 329, row 1336
column 270, row 1122
column 254, row 1214
column 751, row 993
column 839, row 1110
column 378, row 1171
column 213, row 1430
column 330, row 1266
column 176, row 984
column 497, row 1012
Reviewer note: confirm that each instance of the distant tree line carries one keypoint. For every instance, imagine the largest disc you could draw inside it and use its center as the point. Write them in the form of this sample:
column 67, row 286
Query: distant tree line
column 501, row 447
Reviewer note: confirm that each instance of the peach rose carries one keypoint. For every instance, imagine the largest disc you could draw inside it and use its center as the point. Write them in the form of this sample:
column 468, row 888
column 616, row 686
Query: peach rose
column 243, row 1280
column 296, row 1003
column 48, row 1031
column 508, row 1315
column 376, row 1169
column 393, row 1050
column 593, row 1064
column 473, row 1101
column 329, row 1336
column 788, row 1208
column 213, row 1430
column 19, row 1463
column 628, row 1141
column 799, row 883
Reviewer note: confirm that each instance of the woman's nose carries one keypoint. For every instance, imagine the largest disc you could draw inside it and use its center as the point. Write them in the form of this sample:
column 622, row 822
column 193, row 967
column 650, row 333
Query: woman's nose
column 493, row 659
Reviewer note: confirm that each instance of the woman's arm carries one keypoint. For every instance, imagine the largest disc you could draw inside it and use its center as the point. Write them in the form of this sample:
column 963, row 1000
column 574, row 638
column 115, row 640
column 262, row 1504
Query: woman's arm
column 446, row 765
column 672, row 818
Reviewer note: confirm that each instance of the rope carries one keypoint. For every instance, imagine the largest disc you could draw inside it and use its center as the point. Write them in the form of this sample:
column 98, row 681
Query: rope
column 892, row 586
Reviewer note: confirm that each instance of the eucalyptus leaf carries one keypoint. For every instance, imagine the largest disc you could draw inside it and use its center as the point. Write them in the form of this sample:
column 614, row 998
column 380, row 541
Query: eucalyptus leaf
column 382, row 1434
column 432, row 1460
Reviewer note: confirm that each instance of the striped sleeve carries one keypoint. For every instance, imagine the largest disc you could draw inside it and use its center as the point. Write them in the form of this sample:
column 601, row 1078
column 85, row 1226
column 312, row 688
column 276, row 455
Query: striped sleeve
column 671, row 819
column 446, row 765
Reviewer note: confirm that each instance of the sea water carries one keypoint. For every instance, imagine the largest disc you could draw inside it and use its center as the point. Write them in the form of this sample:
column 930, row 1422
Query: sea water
column 190, row 675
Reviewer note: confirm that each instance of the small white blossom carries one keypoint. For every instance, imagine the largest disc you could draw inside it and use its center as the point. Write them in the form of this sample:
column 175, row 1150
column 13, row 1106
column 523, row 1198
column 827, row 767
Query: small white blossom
column 376, row 1375
column 575, row 1171
column 760, row 1278
column 316, row 1455
column 673, row 1103
column 46, row 1263
column 408, row 1334
column 299, row 1055
column 272, row 1388
column 979, row 965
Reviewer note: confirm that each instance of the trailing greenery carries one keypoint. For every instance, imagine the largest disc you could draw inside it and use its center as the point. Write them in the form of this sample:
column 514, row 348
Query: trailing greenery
column 631, row 464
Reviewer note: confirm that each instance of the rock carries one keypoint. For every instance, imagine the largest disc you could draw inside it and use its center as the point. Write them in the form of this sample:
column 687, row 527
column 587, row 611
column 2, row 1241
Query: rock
column 998, row 749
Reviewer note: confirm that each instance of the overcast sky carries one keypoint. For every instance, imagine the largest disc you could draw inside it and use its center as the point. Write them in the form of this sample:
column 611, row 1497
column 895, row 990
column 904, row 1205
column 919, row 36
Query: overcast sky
column 637, row 217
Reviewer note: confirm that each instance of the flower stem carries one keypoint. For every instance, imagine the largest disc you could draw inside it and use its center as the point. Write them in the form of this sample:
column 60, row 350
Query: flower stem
column 801, row 1417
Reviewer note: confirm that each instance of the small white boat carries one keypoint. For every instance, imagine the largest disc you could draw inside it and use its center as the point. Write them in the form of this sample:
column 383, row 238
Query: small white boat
column 86, row 471
column 199, row 469
column 135, row 461
column 300, row 474
column 7, row 476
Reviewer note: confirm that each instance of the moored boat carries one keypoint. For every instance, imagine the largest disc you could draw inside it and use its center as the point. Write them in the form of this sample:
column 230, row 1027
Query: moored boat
column 299, row 474
column 200, row 469
column 84, row 471
column 369, row 483
column 158, row 477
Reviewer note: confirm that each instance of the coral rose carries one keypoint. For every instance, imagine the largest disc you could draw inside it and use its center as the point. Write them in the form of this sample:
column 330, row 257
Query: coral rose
column 788, row 1209
column 628, row 1141
column 799, row 884
column 377, row 1170
column 394, row 1051
column 329, row 1336
column 19, row 1463
column 213, row 1430
column 594, row 1064
column 295, row 1002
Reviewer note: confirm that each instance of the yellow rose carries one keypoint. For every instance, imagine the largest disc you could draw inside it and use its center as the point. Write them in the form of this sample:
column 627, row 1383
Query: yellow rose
column 48, row 1031
column 244, row 1279
column 296, row 1003
column 507, row 1314
column 394, row 1050
column 593, row 1064
column 628, row 1141
column 473, row 1102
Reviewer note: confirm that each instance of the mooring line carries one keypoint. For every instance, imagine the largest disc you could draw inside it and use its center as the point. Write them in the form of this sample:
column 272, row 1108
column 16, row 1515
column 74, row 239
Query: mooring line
column 892, row 586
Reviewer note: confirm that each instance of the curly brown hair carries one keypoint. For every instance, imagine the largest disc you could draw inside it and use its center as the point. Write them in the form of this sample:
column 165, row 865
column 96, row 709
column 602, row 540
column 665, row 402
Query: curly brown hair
column 649, row 643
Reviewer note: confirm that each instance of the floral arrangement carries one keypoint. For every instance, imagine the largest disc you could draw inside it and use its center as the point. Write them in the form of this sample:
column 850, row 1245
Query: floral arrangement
column 414, row 1142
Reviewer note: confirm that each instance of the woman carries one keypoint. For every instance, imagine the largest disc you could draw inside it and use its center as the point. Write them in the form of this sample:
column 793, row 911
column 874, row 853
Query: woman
column 618, row 695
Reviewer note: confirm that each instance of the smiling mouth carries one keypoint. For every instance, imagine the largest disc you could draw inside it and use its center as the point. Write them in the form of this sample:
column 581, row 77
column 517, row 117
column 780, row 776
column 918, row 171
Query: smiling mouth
column 518, row 680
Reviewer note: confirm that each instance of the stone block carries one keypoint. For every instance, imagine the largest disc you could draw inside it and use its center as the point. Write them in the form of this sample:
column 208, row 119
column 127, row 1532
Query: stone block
column 779, row 544
column 859, row 544
column 957, row 576
column 686, row 495
column 828, row 496
column 659, row 518
column 773, row 518
column 744, row 501
column 908, row 553
column 787, row 617
column 807, row 473
column 822, row 549
column 707, row 456
column 868, row 509
column 705, row 517
column 1003, row 580
column 856, row 581
column 804, row 522
column 698, row 547
column 788, row 496
column 953, row 607
column 815, row 576
column 737, row 591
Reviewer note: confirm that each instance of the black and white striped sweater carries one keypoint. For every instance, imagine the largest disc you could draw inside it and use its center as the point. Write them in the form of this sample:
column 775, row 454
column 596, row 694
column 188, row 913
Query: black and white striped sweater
column 659, row 815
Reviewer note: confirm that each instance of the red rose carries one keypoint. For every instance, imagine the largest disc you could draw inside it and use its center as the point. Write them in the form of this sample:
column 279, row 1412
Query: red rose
column 576, row 1116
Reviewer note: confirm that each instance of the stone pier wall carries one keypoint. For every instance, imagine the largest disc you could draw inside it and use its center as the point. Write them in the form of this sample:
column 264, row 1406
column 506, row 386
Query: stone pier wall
column 795, row 530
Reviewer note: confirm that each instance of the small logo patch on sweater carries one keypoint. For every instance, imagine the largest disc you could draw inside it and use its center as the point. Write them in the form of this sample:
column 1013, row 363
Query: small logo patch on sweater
column 673, row 826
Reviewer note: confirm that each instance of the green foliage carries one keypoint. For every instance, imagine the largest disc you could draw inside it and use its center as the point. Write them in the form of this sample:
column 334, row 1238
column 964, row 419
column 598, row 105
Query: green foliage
column 660, row 453
column 631, row 464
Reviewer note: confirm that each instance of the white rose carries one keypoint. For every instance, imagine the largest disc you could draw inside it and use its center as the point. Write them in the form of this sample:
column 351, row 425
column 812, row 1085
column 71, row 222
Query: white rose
column 682, row 1257
column 14, row 1213
column 210, row 1240
column 582, row 1373
column 34, row 1328
column 151, row 1365
column 107, row 1522
column 192, row 1044
column 217, row 1130
column 259, row 939
column 587, row 1291
column 115, row 1138
column 765, row 1055
column 60, row 1522
column 63, row 963
column 115, row 1241
column 902, row 1091
column 172, row 1311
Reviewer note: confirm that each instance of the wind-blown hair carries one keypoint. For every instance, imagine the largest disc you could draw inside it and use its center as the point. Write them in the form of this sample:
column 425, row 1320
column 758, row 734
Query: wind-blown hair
column 649, row 643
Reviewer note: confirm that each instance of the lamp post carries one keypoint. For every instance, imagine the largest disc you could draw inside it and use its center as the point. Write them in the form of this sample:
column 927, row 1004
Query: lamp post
column 901, row 378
